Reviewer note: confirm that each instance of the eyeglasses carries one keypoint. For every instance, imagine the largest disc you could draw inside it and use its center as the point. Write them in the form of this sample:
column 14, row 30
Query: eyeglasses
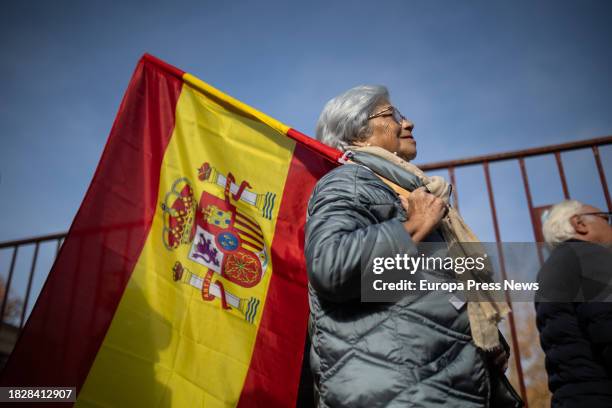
column 605, row 215
column 390, row 111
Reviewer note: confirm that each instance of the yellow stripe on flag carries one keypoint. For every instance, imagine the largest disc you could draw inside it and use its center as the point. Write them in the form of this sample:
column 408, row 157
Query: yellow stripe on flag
column 207, row 89
column 167, row 345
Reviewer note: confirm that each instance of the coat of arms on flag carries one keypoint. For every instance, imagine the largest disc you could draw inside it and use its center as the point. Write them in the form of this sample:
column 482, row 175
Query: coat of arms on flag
column 224, row 239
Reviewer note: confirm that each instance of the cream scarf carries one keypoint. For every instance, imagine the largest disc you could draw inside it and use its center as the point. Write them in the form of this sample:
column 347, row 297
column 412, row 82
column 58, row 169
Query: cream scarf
column 484, row 314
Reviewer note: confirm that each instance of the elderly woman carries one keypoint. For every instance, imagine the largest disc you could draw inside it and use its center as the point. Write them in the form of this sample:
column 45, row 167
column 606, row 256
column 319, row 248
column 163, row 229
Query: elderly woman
column 425, row 351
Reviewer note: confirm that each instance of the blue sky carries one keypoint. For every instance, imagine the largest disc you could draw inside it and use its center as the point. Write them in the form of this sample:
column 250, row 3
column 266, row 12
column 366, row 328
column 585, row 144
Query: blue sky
column 475, row 77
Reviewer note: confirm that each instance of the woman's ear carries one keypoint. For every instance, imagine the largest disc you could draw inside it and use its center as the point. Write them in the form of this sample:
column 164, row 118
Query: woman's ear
column 579, row 225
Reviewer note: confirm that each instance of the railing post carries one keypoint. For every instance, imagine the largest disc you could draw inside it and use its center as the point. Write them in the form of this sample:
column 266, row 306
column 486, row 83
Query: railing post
column 29, row 289
column 528, row 195
column 7, row 288
column 562, row 175
column 511, row 322
column 451, row 173
column 58, row 247
column 602, row 177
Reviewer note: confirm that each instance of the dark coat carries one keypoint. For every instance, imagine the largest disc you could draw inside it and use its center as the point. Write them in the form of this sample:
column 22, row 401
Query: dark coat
column 576, row 334
column 412, row 353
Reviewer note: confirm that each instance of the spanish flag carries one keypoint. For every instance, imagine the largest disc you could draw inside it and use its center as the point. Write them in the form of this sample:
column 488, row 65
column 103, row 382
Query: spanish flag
column 182, row 281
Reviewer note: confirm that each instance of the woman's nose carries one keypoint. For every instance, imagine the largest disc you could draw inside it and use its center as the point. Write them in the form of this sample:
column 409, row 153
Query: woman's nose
column 406, row 124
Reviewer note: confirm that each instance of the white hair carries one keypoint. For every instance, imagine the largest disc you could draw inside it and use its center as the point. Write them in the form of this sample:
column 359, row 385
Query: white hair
column 557, row 227
column 344, row 119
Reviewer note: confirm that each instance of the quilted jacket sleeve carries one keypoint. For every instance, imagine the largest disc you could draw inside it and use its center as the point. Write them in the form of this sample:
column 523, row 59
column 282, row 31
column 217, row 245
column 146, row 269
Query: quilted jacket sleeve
column 342, row 233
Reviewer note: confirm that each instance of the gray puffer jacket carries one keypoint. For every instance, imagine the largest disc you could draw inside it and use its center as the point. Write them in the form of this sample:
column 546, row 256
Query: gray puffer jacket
column 413, row 353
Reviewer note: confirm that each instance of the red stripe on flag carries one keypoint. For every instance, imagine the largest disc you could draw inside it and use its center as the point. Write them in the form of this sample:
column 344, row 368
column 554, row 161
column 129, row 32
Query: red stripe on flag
column 164, row 66
column 313, row 144
column 80, row 297
column 274, row 373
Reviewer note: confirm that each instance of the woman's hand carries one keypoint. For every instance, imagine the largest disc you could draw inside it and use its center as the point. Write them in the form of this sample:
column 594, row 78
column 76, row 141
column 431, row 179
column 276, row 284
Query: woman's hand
column 424, row 213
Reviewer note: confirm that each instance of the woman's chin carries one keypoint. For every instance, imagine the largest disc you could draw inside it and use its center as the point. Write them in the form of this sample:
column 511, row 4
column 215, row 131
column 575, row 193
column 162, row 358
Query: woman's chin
column 407, row 154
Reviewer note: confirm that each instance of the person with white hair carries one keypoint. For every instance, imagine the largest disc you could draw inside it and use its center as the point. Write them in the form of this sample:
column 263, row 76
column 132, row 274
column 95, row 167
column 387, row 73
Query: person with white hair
column 571, row 219
column 574, row 305
column 425, row 351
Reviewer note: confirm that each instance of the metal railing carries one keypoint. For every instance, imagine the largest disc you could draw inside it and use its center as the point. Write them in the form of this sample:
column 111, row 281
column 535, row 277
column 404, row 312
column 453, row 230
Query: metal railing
column 534, row 212
column 520, row 155
column 15, row 245
column 450, row 166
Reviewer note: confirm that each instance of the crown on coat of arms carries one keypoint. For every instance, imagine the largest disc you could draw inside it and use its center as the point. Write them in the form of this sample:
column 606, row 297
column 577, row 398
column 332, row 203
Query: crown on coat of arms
column 204, row 172
column 179, row 213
